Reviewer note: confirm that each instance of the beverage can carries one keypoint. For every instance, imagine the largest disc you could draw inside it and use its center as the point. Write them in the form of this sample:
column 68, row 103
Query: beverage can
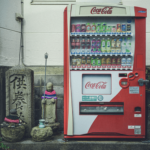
column 88, row 61
column 108, row 29
column 103, row 60
column 83, row 27
column 113, row 29
column 108, row 45
column 113, row 61
column 118, row 61
column 128, row 27
column 98, row 61
column 123, row 27
column 83, row 60
column 88, row 27
column 123, row 61
column 98, row 27
column 78, row 62
column 73, row 28
column 78, row 28
column 108, row 61
column 74, row 62
column 118, row 27
column 93, row 61
column 93, row 27
column 129, row 61
column 103, row 45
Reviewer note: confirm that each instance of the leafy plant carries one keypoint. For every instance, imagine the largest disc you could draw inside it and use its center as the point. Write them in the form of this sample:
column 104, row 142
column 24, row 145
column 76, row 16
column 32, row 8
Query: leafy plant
column 3, row 146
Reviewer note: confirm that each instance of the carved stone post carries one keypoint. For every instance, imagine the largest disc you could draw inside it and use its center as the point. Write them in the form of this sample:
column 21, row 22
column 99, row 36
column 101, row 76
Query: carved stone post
column 19, row 94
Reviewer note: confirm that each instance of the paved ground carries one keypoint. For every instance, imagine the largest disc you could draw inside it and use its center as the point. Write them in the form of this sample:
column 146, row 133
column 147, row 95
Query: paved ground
column 57, row 143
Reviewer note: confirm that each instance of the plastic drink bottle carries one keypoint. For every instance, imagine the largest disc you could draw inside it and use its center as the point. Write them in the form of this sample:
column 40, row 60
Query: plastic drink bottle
column 98, row 45
column 93, row 27
column 78, row 43
column 123, row 45
column 123, row 61
column 88, row 27
column 98, row 27
column 128, row 26
column 103, row 45
column 113, row 45
column 83, row 43
column 93, row 45
column 93, row 61
column 88, row 45
column 98, row 61
column 108, row 45
column 128, row 47
column 118, row 46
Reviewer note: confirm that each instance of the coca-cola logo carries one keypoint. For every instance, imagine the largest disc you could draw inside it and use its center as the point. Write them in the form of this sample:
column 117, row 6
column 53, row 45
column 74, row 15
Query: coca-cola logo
column 99, row 85
column 105, row 10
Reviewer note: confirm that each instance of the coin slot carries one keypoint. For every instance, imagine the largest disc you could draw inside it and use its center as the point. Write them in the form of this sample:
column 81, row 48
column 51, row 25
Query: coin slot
column 137, row 109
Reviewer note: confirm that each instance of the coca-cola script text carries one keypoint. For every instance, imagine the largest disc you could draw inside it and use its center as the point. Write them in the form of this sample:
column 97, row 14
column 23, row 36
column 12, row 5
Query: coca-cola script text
column 99, row 85
column 105, row 10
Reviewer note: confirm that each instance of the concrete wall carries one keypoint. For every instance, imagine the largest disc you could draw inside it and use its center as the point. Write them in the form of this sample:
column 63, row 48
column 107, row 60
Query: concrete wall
column 9, row 32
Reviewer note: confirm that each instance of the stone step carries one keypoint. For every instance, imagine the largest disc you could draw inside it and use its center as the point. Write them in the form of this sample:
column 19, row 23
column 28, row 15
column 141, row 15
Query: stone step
column 57, row 143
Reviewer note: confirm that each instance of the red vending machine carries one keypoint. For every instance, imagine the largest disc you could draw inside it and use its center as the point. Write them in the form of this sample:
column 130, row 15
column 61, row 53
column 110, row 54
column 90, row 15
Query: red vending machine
column 104, row 71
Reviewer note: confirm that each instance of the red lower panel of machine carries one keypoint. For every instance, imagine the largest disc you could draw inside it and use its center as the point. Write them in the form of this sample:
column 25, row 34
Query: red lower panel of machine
column 105, row 136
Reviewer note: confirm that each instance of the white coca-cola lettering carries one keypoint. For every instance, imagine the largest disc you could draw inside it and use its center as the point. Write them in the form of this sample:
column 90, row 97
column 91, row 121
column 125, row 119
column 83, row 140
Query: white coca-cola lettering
column 99, row 85
column 105, row 10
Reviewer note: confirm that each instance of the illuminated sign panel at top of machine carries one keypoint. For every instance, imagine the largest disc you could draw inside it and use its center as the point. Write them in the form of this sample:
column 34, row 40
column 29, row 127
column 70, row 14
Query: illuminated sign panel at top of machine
column 105, row 10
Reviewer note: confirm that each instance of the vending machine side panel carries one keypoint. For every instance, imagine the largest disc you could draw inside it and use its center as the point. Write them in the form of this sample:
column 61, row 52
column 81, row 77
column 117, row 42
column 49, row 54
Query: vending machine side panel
column 65, row 71
column 68, row 116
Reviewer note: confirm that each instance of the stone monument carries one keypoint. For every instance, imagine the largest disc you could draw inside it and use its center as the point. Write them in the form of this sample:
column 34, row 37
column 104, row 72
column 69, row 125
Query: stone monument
column 19, row 94
column 48, row 104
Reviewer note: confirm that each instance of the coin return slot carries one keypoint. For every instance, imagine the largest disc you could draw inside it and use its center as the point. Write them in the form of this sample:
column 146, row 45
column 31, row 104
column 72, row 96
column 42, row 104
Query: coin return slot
column 101, row 108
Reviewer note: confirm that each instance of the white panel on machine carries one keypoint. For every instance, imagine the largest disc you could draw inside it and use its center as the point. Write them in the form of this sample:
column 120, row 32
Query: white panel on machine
column 96, row 84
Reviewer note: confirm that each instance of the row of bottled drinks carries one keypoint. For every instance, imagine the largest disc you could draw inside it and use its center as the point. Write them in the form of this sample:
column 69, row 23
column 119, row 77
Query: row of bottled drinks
column 101, row 62
column 101, row 28
column 100, row 45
